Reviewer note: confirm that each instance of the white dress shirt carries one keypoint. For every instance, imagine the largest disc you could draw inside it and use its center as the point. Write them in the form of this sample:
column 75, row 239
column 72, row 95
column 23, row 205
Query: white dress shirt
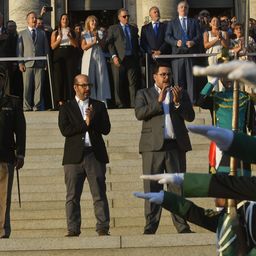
column 168, row 127
column 83, row 105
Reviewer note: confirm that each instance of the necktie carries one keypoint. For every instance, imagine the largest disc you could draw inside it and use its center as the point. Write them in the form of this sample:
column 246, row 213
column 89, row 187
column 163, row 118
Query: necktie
column 128, row 40
column 183, row 24
column 33, row 35
column 155, row 27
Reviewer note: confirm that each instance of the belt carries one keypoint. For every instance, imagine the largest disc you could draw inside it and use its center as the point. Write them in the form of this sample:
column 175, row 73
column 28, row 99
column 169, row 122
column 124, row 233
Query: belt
column 65, row 46
column 87, row 150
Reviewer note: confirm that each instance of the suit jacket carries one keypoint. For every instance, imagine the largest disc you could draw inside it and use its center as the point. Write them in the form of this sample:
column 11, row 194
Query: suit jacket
column 149, row 41
column 26, row 47
column 116, row 41
column 73, row 128
column 150, row 111
column 12, row 129
column 174, row 33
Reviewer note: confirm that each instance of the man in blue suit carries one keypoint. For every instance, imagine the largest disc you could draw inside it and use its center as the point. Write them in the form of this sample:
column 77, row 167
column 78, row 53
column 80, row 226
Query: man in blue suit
column 183, row 34
column 152, row 39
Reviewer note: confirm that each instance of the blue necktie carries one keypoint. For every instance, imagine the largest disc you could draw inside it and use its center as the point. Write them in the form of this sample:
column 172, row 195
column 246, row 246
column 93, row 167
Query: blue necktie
column 183, row 24
column 128, row 39
column 33, row 35
column 155, row 27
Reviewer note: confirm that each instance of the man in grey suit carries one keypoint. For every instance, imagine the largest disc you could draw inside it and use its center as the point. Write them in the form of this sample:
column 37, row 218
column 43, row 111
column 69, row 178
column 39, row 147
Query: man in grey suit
column 124, row 49
column 32, row 42
column 184, row 36
column 164, row 138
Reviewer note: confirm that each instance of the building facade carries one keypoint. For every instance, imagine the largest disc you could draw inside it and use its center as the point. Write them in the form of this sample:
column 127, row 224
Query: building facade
column 105, row 10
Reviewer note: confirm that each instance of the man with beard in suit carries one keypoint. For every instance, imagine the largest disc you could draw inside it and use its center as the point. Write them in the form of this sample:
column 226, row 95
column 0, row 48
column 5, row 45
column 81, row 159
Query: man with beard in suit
column 82, row 121
column 152, row 39
column 164, row 138
column 124, row 49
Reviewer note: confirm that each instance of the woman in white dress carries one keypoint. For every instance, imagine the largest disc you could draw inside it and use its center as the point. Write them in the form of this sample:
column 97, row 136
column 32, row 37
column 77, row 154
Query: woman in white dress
column 93, row 62
column 214, row 41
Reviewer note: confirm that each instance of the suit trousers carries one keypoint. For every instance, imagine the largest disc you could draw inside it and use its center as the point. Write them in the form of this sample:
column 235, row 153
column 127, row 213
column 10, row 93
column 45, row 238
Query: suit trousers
column 127, row 72
column 3, row 195
column 183, row 75
column 157, row 162
column 33, row 81
column 7, row 224
column 75, row 175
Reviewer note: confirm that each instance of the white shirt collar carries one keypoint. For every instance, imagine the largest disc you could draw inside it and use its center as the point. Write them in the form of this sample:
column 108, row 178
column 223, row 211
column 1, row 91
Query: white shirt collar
column 86, row 101
column 182, row 17
column 157, row 88
column 30, row 29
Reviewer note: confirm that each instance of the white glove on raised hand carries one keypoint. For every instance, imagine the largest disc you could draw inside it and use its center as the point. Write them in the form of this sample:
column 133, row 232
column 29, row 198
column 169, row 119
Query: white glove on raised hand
column 222, row 137
column 153, row 197
column 166, row 178
column 244, row 71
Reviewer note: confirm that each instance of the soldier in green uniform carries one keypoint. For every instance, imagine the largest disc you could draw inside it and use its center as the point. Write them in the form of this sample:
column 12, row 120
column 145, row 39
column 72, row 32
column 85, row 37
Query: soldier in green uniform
column 12, row 144
column 221, row 106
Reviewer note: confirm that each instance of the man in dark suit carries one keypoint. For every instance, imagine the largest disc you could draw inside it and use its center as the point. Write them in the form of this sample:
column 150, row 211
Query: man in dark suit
column 152, row 40
column 183, row 34
column 82, row 121
column 32, row 42
column 124, row 49
column 164, row 138
column 12, row 148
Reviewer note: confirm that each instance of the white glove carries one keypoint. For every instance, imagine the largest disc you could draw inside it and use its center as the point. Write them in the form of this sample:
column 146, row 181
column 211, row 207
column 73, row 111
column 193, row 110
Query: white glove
column 214, row 81
column 244, row 71
column 222, row 137
column 166, row 178
column 153, row 197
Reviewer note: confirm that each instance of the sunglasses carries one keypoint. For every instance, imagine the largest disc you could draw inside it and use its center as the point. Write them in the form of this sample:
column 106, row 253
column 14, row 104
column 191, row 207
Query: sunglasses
column 126, row 16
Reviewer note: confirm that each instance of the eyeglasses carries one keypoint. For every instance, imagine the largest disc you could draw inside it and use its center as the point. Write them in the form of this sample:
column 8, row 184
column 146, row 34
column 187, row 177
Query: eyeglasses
column 85, row 85
column 126, row 16
column 164, row 74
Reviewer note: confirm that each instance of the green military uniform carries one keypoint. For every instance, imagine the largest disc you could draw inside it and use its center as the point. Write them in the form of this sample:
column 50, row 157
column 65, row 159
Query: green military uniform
column 12, row 145
column 218, row 222
column 221, row 107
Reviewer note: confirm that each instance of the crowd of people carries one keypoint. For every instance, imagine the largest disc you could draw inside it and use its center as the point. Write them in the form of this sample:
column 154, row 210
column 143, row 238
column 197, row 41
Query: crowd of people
column 113, row 57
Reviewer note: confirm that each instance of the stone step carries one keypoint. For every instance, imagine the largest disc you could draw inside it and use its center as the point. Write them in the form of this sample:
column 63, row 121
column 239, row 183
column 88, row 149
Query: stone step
column 90, row 232
column 174, row 244
column 87, row 211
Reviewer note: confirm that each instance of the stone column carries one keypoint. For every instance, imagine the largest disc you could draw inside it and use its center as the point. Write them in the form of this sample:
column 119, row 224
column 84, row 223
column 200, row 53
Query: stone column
column 168, row 9
column 19, row 9
column 253, row 9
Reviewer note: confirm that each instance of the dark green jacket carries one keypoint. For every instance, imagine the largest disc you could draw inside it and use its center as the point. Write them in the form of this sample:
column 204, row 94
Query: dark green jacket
column 12, row 129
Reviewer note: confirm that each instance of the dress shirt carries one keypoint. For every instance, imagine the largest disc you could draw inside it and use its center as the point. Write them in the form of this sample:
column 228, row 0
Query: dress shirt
column 186, row 21
column 168, row 127
column 83, row 105
column 31, row 31
column 155, row 25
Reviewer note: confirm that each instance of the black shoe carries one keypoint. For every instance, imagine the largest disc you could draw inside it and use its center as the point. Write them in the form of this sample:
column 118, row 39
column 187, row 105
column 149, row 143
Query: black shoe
column 4, row 237
column 70, row 234
column 185, row 231
column 148, row 232
column 103, row 233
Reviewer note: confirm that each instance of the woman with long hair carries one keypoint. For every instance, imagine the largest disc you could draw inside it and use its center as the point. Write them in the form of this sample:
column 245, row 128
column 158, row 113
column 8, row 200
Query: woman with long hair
column 63, row 44
column 214, row 40
column 93, row 62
